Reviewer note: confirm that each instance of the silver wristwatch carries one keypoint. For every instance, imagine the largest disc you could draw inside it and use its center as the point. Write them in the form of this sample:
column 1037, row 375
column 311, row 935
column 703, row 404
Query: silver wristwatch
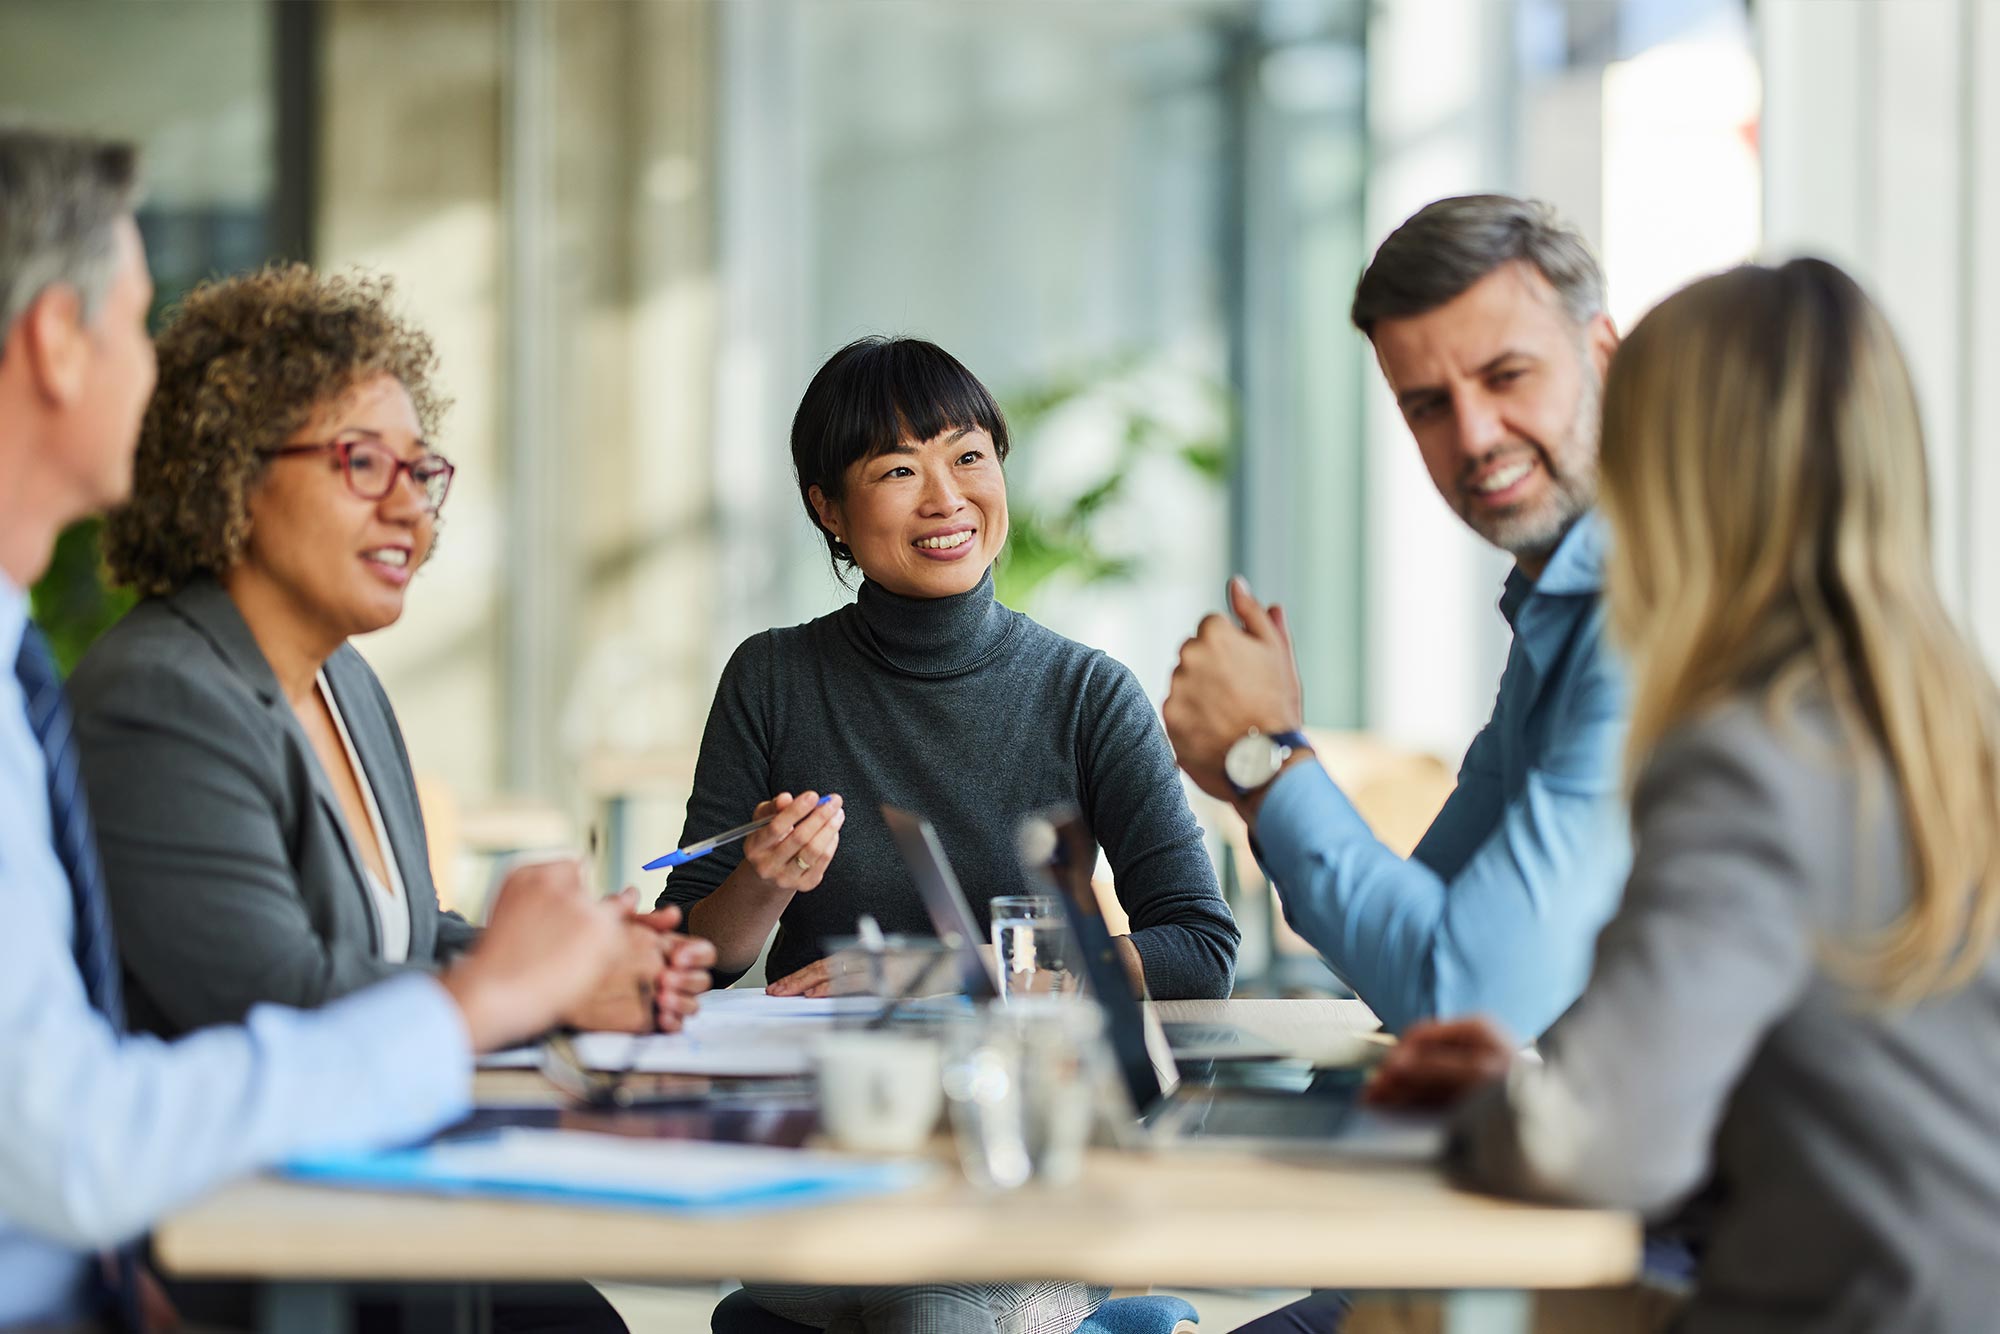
column 1255, row 759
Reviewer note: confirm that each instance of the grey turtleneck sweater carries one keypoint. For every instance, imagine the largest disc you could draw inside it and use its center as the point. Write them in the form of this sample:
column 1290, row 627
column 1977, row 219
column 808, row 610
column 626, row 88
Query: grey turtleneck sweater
column 973, row 716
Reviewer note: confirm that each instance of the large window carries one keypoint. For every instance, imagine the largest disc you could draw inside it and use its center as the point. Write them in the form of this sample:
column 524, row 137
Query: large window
column 193, row 82
column 1093, row 206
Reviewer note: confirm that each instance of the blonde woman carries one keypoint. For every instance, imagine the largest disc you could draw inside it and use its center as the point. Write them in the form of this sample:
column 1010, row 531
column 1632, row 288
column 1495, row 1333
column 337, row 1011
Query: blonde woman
column 1799, row 1001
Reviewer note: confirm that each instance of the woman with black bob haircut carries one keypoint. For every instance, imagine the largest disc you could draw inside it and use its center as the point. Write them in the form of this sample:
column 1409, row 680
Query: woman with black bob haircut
column 926, row 693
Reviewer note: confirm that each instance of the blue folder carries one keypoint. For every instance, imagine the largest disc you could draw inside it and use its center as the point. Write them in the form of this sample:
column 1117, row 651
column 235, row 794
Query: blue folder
column 581, row 1167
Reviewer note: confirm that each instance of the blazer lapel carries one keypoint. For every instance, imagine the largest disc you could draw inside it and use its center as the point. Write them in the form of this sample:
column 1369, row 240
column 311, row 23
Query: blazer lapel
column 205, row 605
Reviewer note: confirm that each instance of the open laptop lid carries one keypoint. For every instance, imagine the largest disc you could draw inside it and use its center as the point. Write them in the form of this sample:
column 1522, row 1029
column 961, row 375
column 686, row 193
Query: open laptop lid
column 951, row 917
column 1058, row 848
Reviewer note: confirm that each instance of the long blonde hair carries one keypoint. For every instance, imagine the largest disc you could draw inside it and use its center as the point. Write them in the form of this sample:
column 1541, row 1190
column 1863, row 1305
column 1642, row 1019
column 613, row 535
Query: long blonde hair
column 1763, row 472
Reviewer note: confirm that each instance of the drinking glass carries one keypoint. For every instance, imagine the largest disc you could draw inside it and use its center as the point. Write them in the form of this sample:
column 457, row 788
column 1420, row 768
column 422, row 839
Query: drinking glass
column 1020, row 1081
column 1032, row 942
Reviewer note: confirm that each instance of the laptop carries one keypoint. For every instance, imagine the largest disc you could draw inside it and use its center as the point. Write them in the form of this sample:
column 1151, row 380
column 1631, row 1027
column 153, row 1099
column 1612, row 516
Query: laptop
column 1319, row 1113
column 951, row 917
column 944, row 902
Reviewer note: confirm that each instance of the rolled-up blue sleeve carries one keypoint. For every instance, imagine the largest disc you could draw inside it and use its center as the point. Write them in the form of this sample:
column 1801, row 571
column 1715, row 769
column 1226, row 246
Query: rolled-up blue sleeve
column 1498, row 911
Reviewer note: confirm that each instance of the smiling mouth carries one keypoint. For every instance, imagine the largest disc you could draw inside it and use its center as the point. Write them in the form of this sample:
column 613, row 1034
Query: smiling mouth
column 949, row 542
column 1499, row 481
column 396, row 558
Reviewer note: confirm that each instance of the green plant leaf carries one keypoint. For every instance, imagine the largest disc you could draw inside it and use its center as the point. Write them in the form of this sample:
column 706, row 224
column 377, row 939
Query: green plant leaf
column 73, row 602
column 1059, row 541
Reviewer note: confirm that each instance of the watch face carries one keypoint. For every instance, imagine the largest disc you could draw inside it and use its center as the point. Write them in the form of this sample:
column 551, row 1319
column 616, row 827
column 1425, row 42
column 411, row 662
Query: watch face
column 1251, row 761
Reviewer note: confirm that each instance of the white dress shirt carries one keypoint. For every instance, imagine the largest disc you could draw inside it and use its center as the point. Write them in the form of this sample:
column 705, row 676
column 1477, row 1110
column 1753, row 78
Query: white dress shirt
column 101, row 1133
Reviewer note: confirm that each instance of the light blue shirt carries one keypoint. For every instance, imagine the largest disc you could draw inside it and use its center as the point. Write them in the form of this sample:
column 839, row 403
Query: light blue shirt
column 101, row 1134
column 1497, row 911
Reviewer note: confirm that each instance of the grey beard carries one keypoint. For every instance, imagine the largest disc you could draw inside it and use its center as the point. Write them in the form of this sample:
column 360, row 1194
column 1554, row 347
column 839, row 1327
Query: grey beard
column 1536, row 536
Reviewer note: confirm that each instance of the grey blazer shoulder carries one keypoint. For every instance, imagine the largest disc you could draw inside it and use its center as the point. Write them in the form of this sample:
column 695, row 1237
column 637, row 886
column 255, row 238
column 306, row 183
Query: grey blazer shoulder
column 230, row 871
column 1850, row 1144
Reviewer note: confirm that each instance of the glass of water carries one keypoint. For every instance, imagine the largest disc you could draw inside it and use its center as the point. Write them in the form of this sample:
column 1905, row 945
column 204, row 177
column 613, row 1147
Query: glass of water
column 1031, row 939
column 1021, row 1082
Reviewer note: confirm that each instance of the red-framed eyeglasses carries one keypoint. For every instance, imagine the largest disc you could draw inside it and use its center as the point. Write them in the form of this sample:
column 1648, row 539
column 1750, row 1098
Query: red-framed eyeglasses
column 372, row 469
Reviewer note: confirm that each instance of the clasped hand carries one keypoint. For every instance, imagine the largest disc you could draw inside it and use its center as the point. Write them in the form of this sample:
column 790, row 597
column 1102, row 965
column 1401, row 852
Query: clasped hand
column 654, row 980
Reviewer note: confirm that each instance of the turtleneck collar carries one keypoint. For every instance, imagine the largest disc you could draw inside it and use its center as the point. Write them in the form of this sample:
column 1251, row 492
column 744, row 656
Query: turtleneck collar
column 930, row 636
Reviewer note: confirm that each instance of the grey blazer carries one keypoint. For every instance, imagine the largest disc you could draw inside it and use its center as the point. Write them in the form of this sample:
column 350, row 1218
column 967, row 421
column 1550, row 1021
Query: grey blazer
column 230, row 871
column 1854, row 1150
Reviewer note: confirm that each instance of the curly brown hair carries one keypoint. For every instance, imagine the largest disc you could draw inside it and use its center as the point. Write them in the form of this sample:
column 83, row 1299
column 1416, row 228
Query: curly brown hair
column 244, row 363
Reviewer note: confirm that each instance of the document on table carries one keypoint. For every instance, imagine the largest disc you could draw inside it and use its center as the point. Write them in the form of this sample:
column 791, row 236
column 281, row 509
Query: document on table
column 737, row 1032
column 579, row 1166
column 741, row 1053
column 752, row 1005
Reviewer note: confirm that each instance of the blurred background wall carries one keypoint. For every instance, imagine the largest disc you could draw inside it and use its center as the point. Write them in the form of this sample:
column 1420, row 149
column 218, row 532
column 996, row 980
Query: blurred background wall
column 635, row 227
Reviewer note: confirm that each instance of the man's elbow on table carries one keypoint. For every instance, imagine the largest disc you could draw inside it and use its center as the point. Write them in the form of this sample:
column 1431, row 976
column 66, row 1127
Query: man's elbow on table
column 1423, row 997
column 1524, row 993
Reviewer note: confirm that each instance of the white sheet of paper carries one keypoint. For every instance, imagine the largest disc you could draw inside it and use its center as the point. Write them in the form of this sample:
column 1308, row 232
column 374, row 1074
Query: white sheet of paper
column 736, row 1032
column 752, row 1005
column 585, row 1159
column 746, row 1052
column 513, row 1058
column 739, row 1053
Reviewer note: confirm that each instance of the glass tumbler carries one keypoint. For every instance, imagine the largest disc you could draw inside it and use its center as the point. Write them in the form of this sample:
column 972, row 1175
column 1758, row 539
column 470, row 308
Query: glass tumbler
column 1020, row 1082
column 1031, row 940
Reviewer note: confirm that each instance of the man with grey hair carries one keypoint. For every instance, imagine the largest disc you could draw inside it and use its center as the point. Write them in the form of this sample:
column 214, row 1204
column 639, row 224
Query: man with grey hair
column 1487, row 318
column 105, row 1131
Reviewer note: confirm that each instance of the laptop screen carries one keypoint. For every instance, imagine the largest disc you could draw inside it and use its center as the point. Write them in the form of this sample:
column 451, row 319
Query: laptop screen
column 1059, row 849
column 951, row 917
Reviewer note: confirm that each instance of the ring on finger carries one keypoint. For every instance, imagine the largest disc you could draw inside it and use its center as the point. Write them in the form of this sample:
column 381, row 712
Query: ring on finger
column 801, row 862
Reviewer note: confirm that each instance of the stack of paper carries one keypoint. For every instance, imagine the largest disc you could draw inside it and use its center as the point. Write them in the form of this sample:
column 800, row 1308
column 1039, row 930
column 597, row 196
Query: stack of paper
column 737, row 1032
column 750, row 1005
column 615, row 1170
column 742, row 1032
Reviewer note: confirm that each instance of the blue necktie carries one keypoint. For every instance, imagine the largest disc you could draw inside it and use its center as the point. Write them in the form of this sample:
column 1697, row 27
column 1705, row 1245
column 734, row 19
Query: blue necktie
column 76, row 848
column 69, row 817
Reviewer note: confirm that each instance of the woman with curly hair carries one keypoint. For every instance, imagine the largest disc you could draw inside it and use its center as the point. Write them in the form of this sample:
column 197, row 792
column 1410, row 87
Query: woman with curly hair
column 258, row 817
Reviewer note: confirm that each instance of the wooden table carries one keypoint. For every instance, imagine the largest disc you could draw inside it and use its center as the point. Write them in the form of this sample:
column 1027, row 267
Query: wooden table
column 1220, row 1219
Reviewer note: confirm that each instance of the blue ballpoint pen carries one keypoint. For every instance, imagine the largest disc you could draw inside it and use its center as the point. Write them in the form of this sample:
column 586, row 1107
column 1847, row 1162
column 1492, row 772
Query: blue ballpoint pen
column 696, row 851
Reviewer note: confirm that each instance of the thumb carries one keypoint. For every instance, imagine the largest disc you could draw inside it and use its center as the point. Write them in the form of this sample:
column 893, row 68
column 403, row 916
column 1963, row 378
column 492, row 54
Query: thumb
column 1249, row 611
column 627, row 899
